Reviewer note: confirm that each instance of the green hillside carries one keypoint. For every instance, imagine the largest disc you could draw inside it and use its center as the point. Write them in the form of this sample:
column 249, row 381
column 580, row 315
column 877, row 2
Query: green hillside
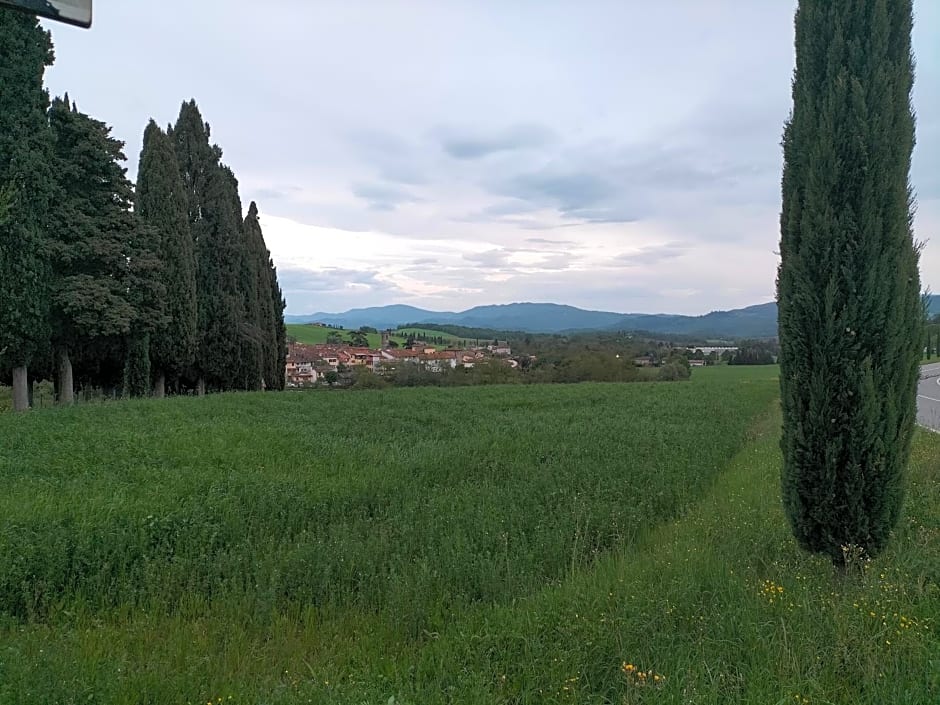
column 449, row 339
column 314, row 335
column 545, row 544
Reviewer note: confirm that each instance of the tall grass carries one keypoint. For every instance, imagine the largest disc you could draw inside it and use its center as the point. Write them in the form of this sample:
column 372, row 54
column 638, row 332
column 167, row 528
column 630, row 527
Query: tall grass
column 407, row 501
column 519, row 544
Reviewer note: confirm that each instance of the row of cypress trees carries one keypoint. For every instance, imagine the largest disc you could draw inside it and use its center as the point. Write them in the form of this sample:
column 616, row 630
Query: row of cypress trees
column 105, row 287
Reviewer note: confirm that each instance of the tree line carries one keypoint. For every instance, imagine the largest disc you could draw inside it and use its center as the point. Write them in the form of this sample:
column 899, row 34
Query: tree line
column 166, row 287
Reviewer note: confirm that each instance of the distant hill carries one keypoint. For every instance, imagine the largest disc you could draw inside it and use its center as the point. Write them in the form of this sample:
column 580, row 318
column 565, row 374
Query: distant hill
column 933, row 305
column 755, row 321
column 758, row 321
column 380, row 317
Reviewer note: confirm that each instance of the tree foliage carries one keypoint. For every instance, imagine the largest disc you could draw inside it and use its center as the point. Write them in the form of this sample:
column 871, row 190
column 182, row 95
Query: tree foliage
column 105, row 280
column 850, row 316
column 26, row 190
column 163, row 206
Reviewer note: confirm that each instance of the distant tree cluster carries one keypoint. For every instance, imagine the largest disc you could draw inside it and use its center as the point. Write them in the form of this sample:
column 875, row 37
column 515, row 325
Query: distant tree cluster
column 753, row 355
column 105, row 287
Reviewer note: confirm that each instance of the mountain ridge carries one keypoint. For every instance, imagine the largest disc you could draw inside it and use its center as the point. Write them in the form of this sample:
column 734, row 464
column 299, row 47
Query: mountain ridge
column 756, row 321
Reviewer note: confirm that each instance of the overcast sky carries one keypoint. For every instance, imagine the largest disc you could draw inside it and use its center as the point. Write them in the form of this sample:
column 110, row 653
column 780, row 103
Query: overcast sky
column 617, row 155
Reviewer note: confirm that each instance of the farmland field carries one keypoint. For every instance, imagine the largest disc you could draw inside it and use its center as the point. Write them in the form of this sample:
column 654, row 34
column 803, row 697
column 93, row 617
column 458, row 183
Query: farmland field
column 472, row 545
column 312, row 335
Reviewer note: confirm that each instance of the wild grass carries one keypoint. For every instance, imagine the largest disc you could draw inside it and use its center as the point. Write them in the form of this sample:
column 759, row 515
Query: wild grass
column 518, row 544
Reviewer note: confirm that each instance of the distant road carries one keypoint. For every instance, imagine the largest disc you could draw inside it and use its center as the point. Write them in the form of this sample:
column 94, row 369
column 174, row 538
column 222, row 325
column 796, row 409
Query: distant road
column 928, row 397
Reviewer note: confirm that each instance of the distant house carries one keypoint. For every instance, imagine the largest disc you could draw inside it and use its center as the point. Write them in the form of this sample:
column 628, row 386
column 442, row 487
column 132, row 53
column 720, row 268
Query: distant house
column 468, row 358
column 500, row 347
column 437, row 361
column 643, row 361
column 399, row 355
column 697, row 363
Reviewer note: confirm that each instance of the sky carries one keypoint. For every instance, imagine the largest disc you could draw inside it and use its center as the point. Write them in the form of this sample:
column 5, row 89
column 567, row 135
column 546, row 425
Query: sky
column 621, row 156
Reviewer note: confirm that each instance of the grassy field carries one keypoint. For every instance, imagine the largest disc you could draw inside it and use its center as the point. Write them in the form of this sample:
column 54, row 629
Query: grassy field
column 313, row 335
column 475, row 545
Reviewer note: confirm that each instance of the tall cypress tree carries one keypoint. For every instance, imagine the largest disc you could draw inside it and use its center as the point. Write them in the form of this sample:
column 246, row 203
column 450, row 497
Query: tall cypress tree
column 162, row 204
column 280, row 349
column 249, row 330
column 270, row 303
column 848, row 289
column 215, row 223
column 26, row 186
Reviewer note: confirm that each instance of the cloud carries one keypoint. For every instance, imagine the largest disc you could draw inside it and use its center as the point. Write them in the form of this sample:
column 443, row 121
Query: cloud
column 296, row 280
column 491, row 259
column 477, row 145
column 605, row 182
column 274, row 194
column 383, row 197
column 548, row 241
column 652, row 254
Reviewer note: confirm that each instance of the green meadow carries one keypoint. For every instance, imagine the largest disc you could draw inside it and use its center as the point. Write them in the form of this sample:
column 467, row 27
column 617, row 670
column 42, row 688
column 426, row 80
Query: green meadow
column 593, row 543
column 316, row 335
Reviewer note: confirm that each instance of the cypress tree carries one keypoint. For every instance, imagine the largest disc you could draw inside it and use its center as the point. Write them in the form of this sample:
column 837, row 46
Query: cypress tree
column 26, row 186
column 104, row 281
column 270, row 306
column 280, row 351
column 215, row 223
column 249, row 329
column 848, row 289
column 162, row 204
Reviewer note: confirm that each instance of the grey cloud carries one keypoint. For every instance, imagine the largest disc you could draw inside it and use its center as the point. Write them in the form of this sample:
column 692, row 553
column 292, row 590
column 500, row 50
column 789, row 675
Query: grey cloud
column 490, row 258
column 556, row 261
column 653, row 254
column 602, row 183
column 478, row 145
column 425, row 260
column 567, row 190
column 514, row 207
column 295, row 280
column 382, row 197
column 393, row 158
column 501, row 212
column 548, row 241
column 275, row 194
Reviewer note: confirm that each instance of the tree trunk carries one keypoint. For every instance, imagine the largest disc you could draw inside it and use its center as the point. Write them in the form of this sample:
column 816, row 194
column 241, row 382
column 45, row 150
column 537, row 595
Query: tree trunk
column 20, row 389
column 201, row 387
column 159, row 385
column 66, row 383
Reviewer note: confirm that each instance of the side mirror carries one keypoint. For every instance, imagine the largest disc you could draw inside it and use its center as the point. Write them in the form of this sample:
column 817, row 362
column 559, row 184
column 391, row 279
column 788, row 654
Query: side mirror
column 77, row 12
